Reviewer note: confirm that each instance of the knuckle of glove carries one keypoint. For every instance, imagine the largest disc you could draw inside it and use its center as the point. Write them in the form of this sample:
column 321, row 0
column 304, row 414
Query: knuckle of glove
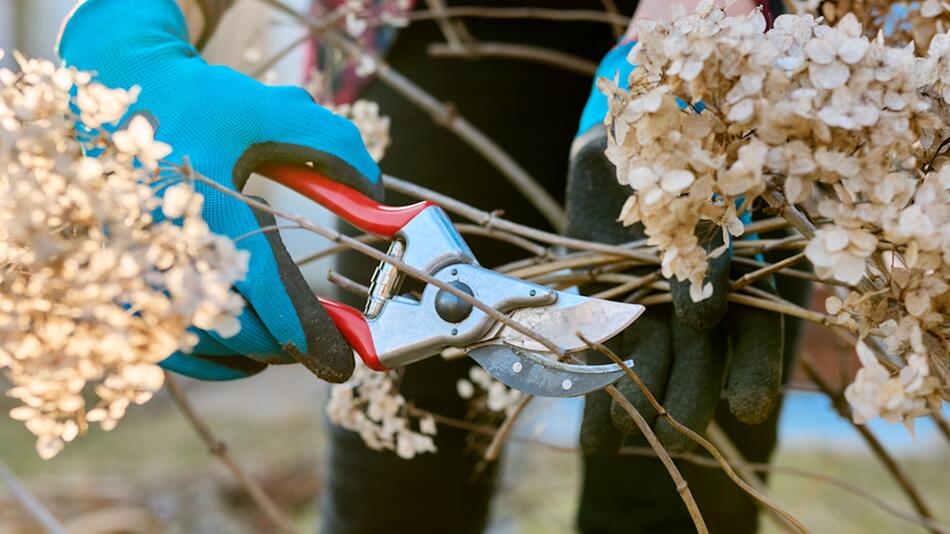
column 595, row 198
column 599, row 436
column 695, row 383
column 648, row 341
column 755, row 375
column 708, row 312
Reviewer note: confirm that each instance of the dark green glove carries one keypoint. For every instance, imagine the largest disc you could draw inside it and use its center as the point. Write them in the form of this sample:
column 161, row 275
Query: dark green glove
column 688, row 354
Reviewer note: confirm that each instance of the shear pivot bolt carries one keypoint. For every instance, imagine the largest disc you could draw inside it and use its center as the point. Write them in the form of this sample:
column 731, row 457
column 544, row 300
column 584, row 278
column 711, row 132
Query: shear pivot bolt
column 451, row 308
column 567, row 384
column 517, row 367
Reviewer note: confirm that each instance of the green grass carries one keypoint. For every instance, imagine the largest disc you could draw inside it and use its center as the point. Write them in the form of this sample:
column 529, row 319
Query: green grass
column 155, row 440
column 155, row 451
column 825, row 508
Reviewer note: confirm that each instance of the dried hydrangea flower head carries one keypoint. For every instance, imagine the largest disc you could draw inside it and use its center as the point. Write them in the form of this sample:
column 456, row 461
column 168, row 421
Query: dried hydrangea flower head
column 370, row 404
column 93, row 288
column 900, row 21
column 374, row 128
column 846, row 127
column 487, row 393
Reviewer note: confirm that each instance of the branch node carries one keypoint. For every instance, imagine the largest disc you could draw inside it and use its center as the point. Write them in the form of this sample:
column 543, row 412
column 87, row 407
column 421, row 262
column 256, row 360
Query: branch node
column 447, row 115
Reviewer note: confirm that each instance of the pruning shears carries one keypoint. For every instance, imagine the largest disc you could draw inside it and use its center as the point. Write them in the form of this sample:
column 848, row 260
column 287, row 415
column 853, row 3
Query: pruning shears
column 395, row 330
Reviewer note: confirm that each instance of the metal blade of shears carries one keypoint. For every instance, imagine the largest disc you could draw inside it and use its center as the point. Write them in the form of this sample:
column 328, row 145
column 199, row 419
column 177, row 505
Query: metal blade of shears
column 537, row 375
column 595, row 319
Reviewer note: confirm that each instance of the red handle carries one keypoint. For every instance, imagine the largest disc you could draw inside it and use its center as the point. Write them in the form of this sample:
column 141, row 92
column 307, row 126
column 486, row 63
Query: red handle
column 355, row 207
column 350, row 322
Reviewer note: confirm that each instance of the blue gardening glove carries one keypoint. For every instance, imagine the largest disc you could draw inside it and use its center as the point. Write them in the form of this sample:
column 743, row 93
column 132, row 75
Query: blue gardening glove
column 614, row 65
column 688, row 353
column 227, row 124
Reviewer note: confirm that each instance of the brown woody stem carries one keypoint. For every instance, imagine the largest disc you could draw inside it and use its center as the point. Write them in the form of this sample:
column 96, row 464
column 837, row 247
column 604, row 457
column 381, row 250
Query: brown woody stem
column 220, row 450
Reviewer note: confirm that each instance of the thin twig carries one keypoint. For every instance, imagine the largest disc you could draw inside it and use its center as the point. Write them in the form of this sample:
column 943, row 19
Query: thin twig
column 611, row 8
column 30, row 504
column 681, row 485
column 803, row 473
column 628, row 287
column 494, row 314
column 501, row 235
column 449, row 117
column 572, row 15
column 930, row 164
column 941, row 422
column 451, row 30
column 341, row 239
column 332, row 251
column 790, row 213
column 653, row 300
column 414, row 411
column 485, row 218
column 765, row 225
column 332, row 19
column 347, row 284
column 444, row 115
column 774, row 304
column 702, row 461
column 791, row 273
column 890, row 463
column 266, row 229
column 782, row 306
column 719, row 438
column 220, row 450
column 692, row 435
column 465, row 229
column 566, row 262
column 754, row 276
column 535, row 54
column 800, row 222
column 585, row 276
column 263, row 68
column 504, row 431
column 751, row 247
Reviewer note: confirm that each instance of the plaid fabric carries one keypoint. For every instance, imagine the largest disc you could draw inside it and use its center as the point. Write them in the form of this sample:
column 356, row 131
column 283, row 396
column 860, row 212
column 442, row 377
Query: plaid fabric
column 340, row 82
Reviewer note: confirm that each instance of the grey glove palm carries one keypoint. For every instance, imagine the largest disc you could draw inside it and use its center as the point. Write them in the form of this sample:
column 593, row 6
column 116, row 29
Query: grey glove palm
column 688, row 354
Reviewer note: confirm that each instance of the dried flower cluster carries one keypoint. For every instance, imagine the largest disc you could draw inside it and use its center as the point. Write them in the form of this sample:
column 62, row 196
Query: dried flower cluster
column 94, row 289
column 359, row 15
column 368, row 23
column 369, row 403
column 487, row 393
column 876, row 392
column 900, row 21
column 846, row 127
column 373, row 127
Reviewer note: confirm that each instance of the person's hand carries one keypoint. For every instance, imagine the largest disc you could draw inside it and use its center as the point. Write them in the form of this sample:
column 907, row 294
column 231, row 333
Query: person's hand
column 227, row 124
column 688, row 354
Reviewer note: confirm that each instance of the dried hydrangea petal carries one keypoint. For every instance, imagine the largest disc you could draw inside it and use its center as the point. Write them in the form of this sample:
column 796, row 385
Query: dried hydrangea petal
column 80, row 249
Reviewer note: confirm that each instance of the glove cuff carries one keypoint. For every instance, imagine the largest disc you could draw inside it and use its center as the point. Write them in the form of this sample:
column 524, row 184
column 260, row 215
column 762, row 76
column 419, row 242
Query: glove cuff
column 213, row 10
column 594, row 134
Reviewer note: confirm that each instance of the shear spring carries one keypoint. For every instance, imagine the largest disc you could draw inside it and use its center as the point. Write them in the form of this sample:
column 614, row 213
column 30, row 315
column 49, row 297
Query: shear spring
column 385, row 282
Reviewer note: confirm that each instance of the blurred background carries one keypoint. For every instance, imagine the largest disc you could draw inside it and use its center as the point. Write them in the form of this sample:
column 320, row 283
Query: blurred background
column 152, row 474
